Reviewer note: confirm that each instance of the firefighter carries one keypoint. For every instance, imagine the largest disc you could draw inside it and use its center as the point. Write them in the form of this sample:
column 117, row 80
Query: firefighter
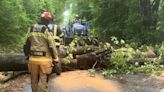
column 40, row 48
column 58, row 35
column 57, row 32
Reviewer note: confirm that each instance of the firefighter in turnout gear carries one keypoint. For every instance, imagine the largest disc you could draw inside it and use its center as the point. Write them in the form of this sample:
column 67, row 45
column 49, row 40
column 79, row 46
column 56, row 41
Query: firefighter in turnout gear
column 41, row 50
column 57, row 32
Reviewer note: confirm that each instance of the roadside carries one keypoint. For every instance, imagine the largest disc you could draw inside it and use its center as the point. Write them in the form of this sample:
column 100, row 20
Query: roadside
column 140, row 83
column 15, row 85
column 81, row 81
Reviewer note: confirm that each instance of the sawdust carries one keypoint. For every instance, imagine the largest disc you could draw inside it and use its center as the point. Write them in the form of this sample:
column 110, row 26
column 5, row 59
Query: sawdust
column 81, row 79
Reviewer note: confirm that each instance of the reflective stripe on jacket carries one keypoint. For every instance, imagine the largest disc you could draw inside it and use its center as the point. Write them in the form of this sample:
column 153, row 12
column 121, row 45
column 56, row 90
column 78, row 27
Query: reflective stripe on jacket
column 39, row 39
column 56, row 37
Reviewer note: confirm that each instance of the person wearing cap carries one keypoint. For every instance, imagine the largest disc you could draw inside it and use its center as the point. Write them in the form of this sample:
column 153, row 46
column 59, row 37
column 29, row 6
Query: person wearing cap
column 41, row 49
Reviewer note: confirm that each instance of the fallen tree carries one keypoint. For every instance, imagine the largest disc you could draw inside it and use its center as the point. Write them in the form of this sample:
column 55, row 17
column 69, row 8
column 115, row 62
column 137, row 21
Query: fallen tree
column 12, row 62
column 81, row 53
column 86, row 61
column 18, row 62
column 82, row 50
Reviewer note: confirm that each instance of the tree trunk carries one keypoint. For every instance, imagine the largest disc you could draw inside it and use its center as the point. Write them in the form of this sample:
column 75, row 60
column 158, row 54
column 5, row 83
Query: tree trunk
column 12, row 62
column 83, row 50
column 149, row 11
column 86, row 61
column 18, row 62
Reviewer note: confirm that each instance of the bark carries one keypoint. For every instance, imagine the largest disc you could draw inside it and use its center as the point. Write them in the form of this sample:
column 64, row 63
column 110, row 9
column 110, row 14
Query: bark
column 18, row 62
column 82, row 50
column 12, row 62
column 147, row 13
column 149, row 10
column 13, row 75
column 155, row 5
column 86, row 61
column 67, row 41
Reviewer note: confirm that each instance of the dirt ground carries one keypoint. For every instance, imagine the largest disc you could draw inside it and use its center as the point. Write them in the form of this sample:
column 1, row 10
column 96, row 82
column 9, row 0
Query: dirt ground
column 81, row 81
column 15, row 85
column 140, row 83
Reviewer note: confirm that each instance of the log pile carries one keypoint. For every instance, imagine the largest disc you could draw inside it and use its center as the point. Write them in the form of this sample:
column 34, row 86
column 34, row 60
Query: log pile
column 85, row 55
column 17, row 62
column 13, row 62
column 81, row 53
column 87, row 60
column 88, row 53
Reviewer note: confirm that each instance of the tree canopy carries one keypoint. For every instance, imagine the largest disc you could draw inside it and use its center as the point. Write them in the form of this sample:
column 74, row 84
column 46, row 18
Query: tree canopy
column 131, row 20
column 17, row 15
column 140, row 21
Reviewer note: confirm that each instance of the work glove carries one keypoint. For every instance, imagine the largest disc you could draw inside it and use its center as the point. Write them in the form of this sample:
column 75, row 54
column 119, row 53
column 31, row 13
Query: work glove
column 27, row 57
column 54, row 61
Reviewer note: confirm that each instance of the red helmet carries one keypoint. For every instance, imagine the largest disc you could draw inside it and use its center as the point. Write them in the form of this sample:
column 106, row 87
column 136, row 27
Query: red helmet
column 47, row 15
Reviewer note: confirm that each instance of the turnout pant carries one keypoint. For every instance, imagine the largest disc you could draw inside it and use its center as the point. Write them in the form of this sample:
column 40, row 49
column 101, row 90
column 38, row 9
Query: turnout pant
column 39, row 68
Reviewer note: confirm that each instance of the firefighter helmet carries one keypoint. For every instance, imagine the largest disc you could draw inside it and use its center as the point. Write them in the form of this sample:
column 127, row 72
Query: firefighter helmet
column 47, row 16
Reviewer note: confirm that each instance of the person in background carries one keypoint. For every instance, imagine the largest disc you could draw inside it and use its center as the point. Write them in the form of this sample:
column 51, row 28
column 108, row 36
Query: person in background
column 86, row 27
column 68, row 30
column 77, row 19
column 56, row 31
column 78, row 28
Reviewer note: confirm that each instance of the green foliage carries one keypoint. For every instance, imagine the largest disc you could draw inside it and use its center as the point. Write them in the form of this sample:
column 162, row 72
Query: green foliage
column 123, row 19
column 67, row 59
column 17, row 15
column 119, row 59
column 128, row 20
column 92, row 72
column 126, row 59
column 161, row 51
column 148, row 68
column 13, row 23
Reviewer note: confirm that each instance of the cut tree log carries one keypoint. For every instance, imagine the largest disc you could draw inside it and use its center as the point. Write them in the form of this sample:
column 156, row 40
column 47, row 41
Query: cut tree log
column 83, row 50
column 86, row 61
column 18, row 62
column 12, row 62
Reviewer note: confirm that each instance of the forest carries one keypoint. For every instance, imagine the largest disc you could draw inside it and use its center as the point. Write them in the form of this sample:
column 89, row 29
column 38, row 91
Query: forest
column 132, row 28
column 126, row 37
column 138, row 22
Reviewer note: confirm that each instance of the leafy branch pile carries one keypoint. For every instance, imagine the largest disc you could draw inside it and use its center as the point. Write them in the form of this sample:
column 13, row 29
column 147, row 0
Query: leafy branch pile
column 127, row 59
column 88, row 52
column 115, row 57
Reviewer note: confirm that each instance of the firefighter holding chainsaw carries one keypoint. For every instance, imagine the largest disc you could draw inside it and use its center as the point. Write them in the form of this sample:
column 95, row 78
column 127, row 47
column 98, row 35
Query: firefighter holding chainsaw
column 58, row 35
column 41, row 50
